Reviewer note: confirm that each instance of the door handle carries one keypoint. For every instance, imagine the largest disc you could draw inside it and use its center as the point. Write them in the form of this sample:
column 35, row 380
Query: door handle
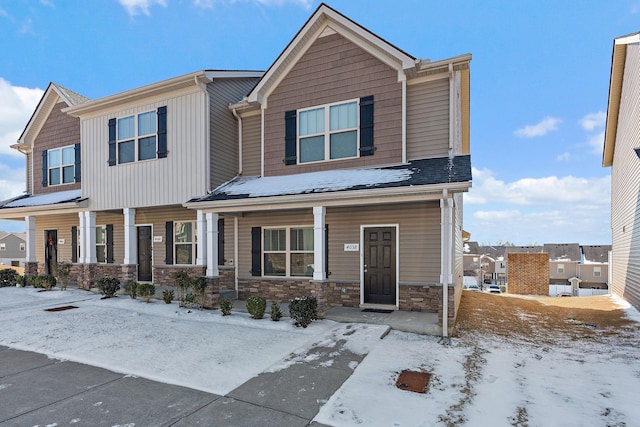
column 365, row 268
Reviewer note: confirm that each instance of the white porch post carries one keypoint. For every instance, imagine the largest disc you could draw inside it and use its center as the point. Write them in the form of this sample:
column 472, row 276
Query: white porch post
column 81, row 235
column 130, row 246
column 446, row 240
column 319, row 254
column 212, row 245
column 30, row 226
column 201, row 251
column 90, row 237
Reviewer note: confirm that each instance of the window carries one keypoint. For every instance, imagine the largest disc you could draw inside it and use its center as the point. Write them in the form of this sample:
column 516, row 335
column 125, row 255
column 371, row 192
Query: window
column 101, row 243
column 23, row 247
column 597, row 271
column 560, row 268
column 61, row 165
column 3, row 246
column 475, row 259
column 185, row 242
column 288, row 251
column 136, row 138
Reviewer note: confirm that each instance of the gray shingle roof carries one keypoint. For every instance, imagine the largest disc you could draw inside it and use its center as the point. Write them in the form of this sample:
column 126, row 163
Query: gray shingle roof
column 74, row 97
column 563, row 251
column 596, row 253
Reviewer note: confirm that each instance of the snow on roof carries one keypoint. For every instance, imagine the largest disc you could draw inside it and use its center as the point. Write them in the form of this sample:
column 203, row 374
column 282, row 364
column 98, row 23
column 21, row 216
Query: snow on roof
column 417, row 172
column 45, row 199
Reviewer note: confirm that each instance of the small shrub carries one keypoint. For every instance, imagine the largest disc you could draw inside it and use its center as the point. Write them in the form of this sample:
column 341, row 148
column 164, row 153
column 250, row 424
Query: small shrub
column 503, row 288
column 22, row 281
column 225, row 306
column 109, row 286
column 199, row 286
column 167, row 296
column 46, row 281
column 8, row 277
column 63, row 271
column 303, row 310
column 146, row 291
column 32, row 281
column 256, row 306
column 133, row 289
column 276, row 313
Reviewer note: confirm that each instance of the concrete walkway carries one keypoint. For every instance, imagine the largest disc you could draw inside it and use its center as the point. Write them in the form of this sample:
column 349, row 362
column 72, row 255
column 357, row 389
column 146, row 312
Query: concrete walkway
column 38, row 391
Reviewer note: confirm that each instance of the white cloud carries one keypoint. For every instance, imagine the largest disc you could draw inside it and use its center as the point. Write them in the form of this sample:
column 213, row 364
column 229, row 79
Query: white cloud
column 592, row 121
column 208, row 4
column 17, row 106
column 12, row 181
column 27, row 26
column 135, row 7
column 545, row 126
column 563, row 157
column 596, row 142
column 47, row 3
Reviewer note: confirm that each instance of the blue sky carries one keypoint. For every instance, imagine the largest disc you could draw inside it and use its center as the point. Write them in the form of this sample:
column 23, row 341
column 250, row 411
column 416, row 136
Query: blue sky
column 539, row 83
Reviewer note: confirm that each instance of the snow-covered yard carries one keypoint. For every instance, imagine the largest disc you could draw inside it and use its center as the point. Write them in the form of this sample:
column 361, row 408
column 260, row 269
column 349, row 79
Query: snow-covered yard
column 544, row 377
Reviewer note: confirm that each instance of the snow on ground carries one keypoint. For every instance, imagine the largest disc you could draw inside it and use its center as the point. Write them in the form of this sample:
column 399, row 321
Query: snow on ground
column 476, row 381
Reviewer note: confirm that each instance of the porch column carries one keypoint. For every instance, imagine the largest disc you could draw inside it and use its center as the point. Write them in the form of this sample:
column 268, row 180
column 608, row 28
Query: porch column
column 319, row 247
column 90, row 237
column 446, row 242
column 81, row 238
column 130, row 238
column 30, row 226
column 212, row 245
column 201, row 250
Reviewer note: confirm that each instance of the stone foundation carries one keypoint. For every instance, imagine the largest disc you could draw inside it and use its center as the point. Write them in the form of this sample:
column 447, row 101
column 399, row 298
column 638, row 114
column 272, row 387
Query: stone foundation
column 426, row 298
column 163, row 274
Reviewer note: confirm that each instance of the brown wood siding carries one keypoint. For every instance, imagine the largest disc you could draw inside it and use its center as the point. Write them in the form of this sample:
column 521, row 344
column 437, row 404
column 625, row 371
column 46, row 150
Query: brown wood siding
column 59, row 130
column 224, row 127
column 419, row 237
column 251, row 155
column 332, row 70
column 61, row 223
column 625, row 177
column 428, row 119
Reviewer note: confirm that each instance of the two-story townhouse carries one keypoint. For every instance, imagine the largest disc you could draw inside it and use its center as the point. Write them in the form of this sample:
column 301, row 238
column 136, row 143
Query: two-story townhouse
column 564, row 260
column 145, row 151
column 13, row 249
column 622, row 153
column 354, row 159
column 594, row 266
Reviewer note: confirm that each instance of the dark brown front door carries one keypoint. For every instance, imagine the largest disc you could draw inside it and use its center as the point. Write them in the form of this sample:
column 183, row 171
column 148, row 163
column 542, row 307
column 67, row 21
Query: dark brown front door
column 50, row 251
column 380, row 265
column 144, row 254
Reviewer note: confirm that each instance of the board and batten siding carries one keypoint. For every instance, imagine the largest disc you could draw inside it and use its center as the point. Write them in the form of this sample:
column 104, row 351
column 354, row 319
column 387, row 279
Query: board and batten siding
column 251, row 152
column 334, row 69
column 625, row 178
column 175, row 179
column 428, row 119
column 224, row 127
column 419, row 227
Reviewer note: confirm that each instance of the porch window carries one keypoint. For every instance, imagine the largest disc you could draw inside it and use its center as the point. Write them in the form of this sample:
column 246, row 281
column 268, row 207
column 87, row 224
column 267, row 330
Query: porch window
column 288, row 251
column 101, row 244
column 185, row 242
column 597, row 271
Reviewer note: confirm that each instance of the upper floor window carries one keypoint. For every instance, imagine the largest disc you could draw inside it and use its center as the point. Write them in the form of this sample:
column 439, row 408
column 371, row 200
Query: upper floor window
column 597, row 271
column 3, row 246
column 139, row 137
column 329, row 132
column 61, row 165
column 560, row 268
column 185, row 242
column 23, row 247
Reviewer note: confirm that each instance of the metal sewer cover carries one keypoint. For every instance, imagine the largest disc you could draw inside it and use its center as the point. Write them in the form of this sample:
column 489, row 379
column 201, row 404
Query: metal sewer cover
column 63, row 308
column 414, row 381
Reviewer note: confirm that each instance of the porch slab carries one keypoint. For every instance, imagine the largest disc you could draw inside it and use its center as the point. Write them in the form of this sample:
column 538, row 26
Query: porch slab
column 406, row 321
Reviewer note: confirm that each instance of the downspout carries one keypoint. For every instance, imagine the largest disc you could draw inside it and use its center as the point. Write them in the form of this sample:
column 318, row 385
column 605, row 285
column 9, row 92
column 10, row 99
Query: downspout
column 404, row 120
column 445, row 268
column 451, row 109
column 262, row 141
column 235, row 114
column 207, row 127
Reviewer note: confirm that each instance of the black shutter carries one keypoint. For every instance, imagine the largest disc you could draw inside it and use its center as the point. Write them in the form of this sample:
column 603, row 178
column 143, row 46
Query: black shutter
column 366, row 126
column 256, row 251
column 45, row 169
column 326, row 250
column 220, row 241
column 290, row 137
column 112, row 142
column 162, row 132
column 110, row 243
column 74, row 244
column 77, row 172
column 168, row 252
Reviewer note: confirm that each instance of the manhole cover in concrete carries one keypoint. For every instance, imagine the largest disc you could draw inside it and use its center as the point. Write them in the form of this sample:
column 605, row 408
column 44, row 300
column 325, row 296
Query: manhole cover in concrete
column 63, row 308
column 413, row 381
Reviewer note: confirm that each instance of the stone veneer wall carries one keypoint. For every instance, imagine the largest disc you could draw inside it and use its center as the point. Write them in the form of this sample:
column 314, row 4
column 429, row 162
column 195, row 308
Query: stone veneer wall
column 528, row 274
column 162, row 275
column 427, row 298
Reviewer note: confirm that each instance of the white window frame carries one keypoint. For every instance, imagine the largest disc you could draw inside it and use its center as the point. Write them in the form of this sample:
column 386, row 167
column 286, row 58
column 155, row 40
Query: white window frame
column 104, row 244
column 597, row 271
column 136, row 137
column 287, row 251
column 560, row 268
column 23, row 247
column 193, row 243
column 3, row 246
column 327, row 131
column 61, row 166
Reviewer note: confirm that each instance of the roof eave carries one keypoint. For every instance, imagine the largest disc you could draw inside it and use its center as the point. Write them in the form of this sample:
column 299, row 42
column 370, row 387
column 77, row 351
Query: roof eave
column 56, row 208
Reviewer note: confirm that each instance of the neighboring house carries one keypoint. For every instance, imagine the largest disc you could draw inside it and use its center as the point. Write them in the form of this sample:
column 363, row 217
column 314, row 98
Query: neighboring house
column 621, row 153
column 564, row 260
column 350, row 188
column 594, row 267
column 12, row 249
column 144, row 152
